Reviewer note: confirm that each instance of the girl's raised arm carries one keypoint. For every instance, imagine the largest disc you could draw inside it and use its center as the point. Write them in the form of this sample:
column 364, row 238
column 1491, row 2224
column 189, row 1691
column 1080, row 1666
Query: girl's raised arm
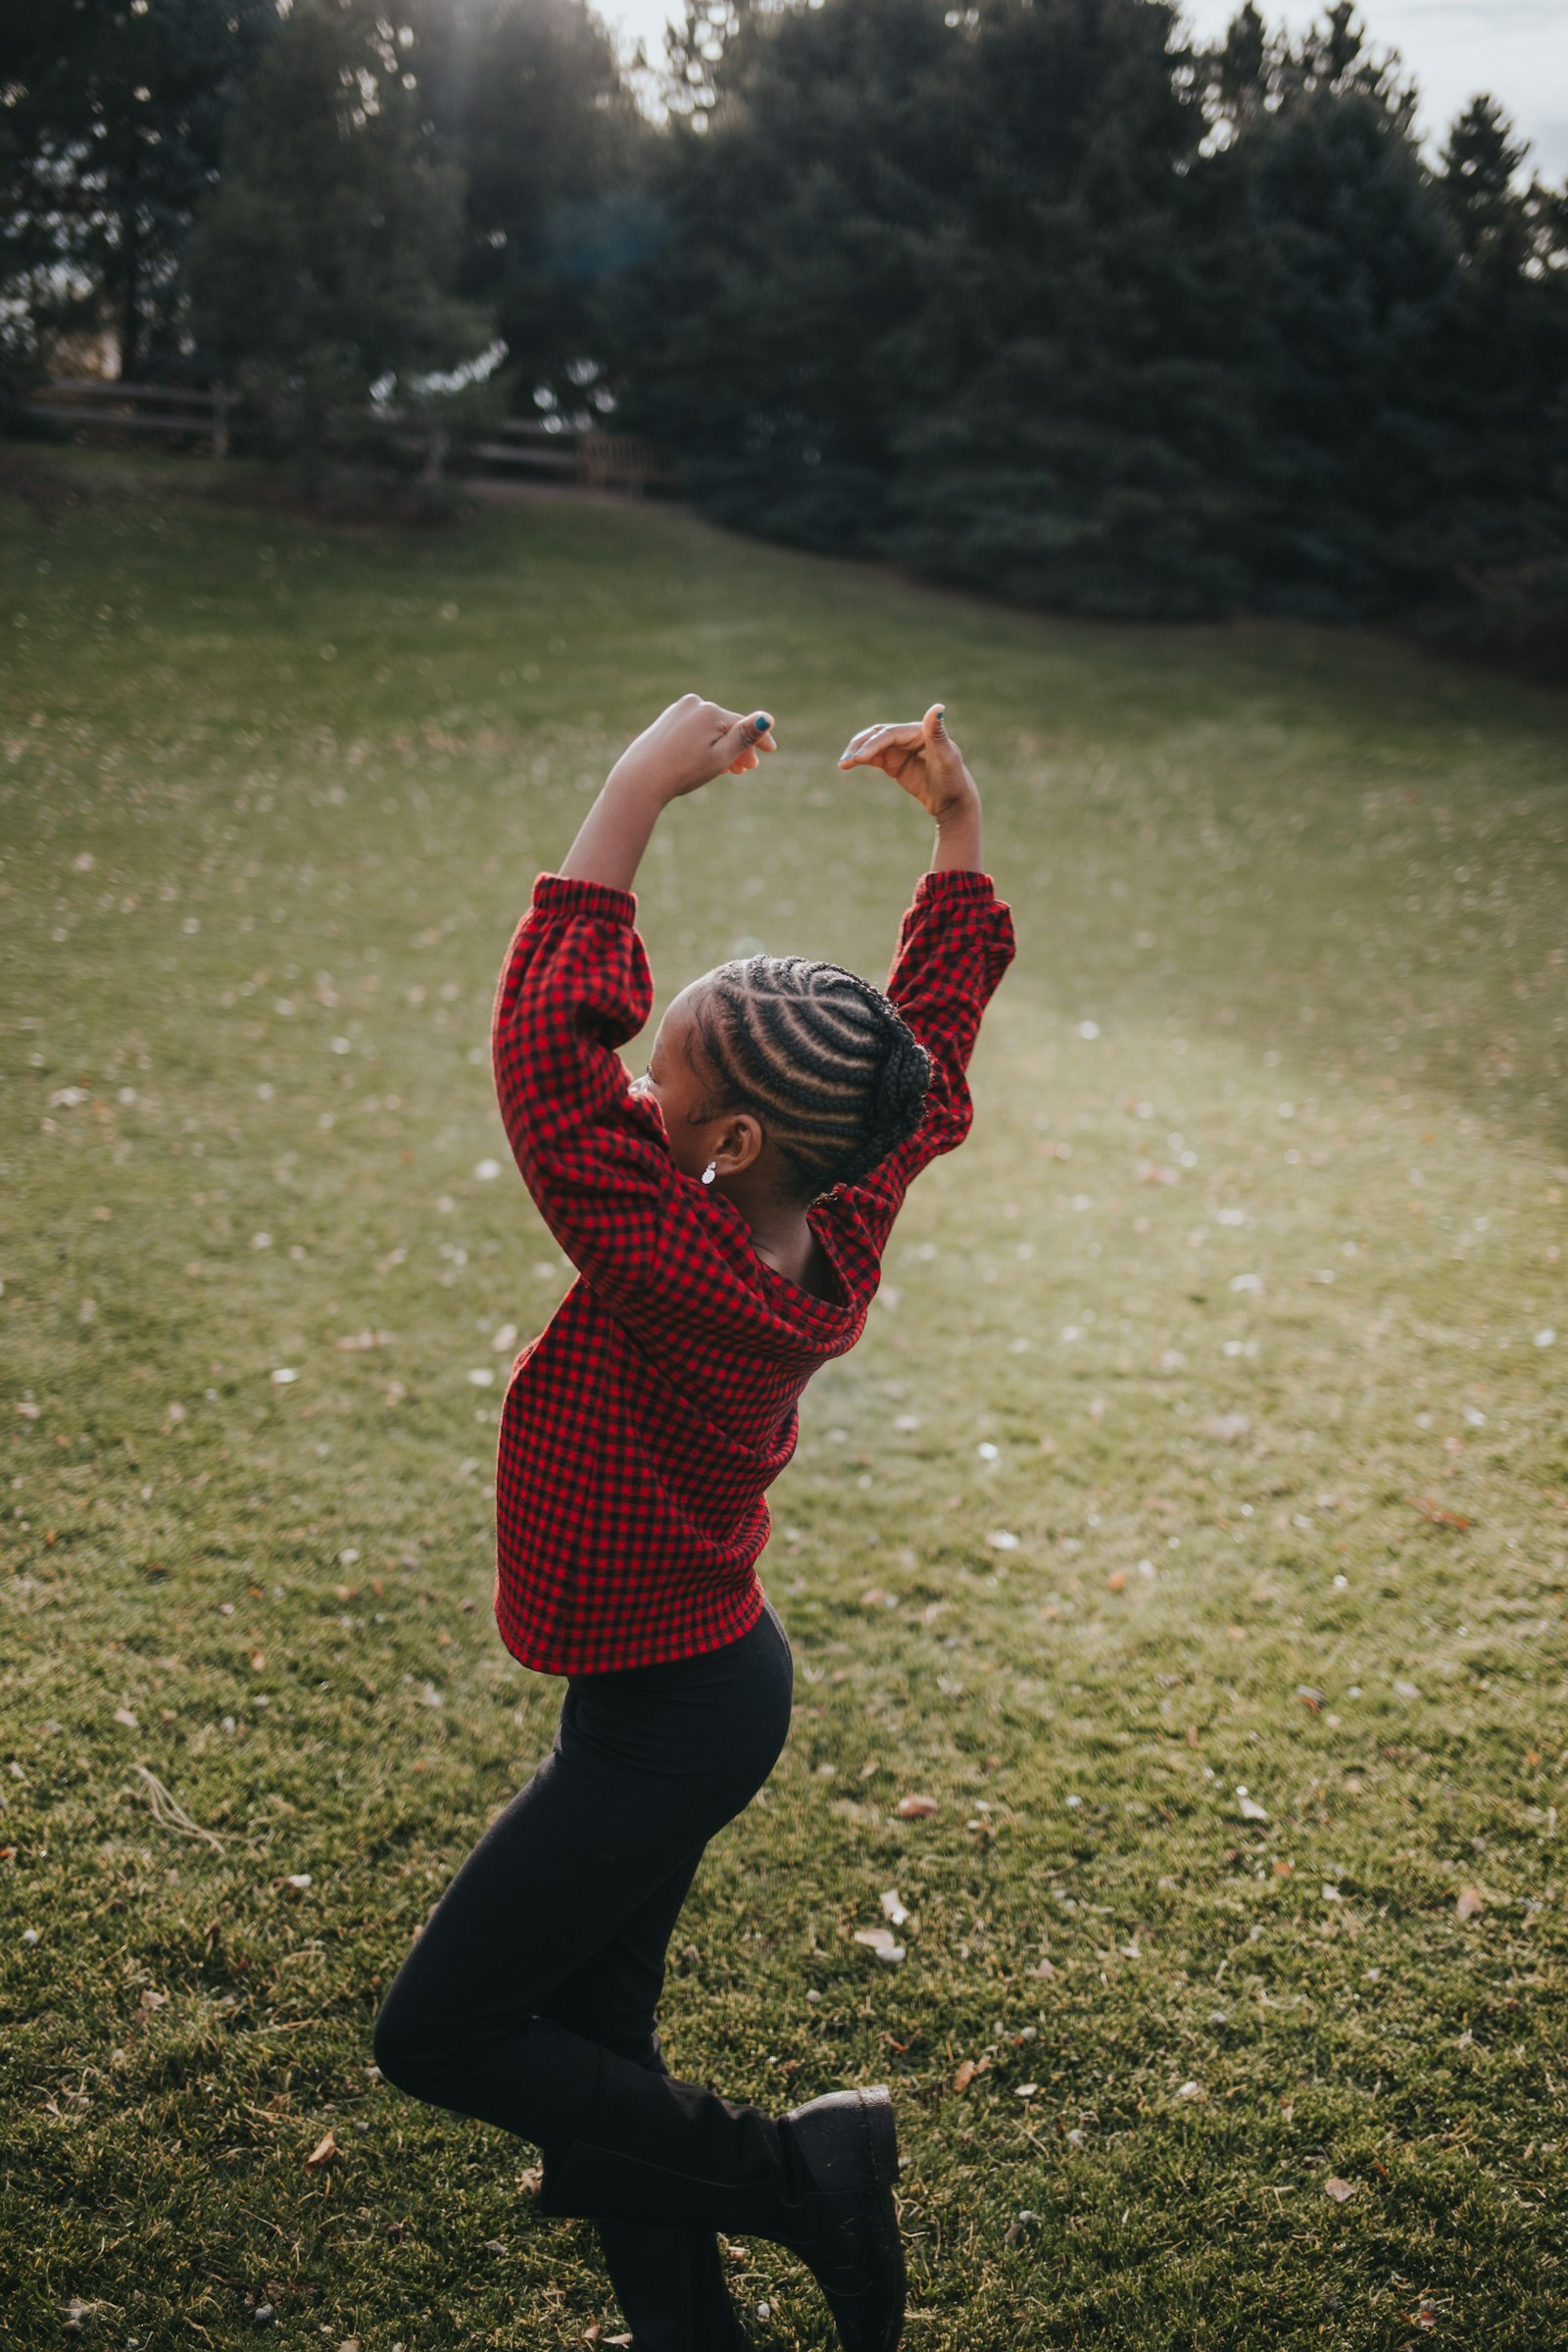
column 955, row 943
column 575, row 987
column 687, row 746
column 921, row 756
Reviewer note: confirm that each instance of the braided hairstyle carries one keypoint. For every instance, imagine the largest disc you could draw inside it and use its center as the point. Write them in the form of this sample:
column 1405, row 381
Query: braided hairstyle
column 820, row 1056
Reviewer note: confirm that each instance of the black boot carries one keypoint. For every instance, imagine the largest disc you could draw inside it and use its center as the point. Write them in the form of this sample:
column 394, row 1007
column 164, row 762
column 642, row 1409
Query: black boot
column 848, row 2231
column 671, row 2288
column 820, row 2181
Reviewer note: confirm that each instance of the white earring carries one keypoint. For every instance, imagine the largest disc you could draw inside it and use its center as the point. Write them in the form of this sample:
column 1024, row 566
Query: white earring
column 710, row 1171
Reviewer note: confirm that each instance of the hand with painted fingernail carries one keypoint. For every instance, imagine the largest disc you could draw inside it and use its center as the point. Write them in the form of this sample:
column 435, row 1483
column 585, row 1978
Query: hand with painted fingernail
column 691, row 743
column 920, row 754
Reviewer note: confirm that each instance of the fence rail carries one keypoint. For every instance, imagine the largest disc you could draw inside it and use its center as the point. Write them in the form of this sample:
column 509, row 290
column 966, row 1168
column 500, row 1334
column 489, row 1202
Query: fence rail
column 89, row 408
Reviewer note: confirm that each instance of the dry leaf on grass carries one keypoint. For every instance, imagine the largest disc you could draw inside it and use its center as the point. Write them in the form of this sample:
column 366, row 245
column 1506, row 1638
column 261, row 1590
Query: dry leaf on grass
column 324, row 2152
column 916, row 1808
column 1436, row 1515
column 1339, row 2190
column 1470, row 1904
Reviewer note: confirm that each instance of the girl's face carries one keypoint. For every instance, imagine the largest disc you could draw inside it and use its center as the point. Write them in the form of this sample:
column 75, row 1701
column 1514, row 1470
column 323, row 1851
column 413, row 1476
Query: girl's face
column 671, row 1084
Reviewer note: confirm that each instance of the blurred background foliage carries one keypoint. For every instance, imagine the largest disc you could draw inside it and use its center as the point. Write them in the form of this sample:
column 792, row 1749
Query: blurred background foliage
column 1039, row 296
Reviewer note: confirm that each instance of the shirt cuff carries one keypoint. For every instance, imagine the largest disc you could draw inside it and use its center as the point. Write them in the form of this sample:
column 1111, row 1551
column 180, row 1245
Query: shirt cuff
column 954, row 882
column 572, row 894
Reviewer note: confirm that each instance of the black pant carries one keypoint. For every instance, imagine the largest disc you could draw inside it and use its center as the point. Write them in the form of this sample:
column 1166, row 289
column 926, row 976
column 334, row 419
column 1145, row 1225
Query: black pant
column 530, row 1998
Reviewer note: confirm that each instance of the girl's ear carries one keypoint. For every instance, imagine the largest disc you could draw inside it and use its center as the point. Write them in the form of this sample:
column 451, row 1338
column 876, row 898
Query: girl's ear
column 743, row 1139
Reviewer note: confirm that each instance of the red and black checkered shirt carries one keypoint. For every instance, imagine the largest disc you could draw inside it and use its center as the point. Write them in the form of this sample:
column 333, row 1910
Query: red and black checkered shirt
column 642, row 1426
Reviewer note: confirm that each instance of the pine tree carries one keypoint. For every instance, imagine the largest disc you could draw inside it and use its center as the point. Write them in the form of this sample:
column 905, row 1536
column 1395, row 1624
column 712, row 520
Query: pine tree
column 1342, row 270
column 526, row 98
column 108, row 140
column 1503, row 523
column 319, row 269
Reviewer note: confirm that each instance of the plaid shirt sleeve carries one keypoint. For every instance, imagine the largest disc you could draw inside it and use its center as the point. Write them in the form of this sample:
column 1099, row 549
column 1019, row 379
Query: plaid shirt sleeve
column 955, row 943
column 675, row 1266
column 576, row 986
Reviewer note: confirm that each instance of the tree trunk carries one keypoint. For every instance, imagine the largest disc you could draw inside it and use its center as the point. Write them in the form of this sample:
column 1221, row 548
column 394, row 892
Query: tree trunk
column 132, row 329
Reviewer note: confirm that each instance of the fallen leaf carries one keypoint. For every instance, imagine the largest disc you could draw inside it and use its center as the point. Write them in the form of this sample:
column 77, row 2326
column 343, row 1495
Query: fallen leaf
column 1252, row 1810
column 324, row 2152
column 1436, row 1515
column 892, row 1909
column 1117, row 1581
column 881, row 1941
column 1471, row 1904
column 916, row 1808
column 1042, row 1968
column 965, row 2075
column 528, row 2181
column 124, row 1715
column 1339, row 2190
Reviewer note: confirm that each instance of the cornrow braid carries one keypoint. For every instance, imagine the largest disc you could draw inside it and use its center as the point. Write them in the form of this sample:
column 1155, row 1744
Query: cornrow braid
column 820, row 1056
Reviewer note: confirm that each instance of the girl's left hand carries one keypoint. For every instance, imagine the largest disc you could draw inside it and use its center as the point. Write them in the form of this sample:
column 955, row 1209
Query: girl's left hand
column 690, row 744
column 920, row 754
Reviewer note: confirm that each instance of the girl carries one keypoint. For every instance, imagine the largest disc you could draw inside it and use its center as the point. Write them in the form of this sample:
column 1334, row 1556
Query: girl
column 727, row 1213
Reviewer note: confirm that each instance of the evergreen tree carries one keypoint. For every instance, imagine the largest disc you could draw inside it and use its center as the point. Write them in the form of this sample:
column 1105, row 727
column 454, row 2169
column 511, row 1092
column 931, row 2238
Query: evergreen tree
column 1034, row 296
column 802, row 188
column 1075, row 452
column 526, row 98
column 1503, row 525
column 108, row 139
column 319, row 265
column 1340, row 269
column 935, row 284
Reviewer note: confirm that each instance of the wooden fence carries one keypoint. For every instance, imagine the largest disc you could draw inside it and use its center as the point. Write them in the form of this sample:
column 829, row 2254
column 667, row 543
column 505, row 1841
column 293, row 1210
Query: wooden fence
column 94, row 409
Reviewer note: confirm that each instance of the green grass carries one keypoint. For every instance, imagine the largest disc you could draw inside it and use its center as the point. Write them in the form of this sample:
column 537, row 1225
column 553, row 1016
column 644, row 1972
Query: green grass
column 1212, row 1300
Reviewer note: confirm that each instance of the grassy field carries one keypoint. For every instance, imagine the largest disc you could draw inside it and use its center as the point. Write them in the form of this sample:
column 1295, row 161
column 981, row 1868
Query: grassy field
column 1192, row 1523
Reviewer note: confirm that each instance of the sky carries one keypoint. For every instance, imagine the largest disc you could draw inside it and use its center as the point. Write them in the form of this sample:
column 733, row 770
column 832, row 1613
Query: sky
column 1516, row 50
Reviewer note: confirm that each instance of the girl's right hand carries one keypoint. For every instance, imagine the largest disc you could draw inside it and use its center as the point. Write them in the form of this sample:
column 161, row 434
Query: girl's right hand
column 690, row 744
column 922, row 756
